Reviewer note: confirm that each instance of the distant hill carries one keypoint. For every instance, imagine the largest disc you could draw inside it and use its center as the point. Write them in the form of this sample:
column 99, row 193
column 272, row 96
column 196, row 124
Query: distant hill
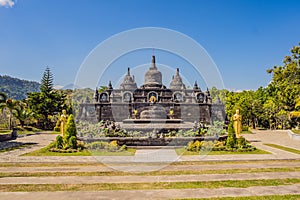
column 16, row 88
column 70, row 86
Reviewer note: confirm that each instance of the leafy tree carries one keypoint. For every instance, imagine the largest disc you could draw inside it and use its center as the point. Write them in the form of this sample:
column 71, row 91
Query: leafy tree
column 10, row 104
column 48, row 102
column 284, row 89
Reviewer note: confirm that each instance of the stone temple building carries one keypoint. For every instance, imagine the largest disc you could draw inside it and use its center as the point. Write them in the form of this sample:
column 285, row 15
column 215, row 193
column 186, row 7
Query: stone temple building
column 153, row 102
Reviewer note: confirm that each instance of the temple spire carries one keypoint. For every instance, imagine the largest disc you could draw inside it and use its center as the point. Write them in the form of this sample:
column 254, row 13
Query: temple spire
column 153, row 65
column 110, row 85
column 177, row 71
column 153, row 58
column 196, row 86
column 128, row 71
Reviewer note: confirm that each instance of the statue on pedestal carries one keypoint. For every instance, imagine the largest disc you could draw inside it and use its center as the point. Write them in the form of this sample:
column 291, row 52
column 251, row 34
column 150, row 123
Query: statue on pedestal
column 135, row 113
column 237, row 123
column 171, row 114
column 63, row 122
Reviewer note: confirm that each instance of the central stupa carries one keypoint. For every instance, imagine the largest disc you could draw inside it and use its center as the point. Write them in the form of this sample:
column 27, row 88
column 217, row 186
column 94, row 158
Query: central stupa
column 153, row 77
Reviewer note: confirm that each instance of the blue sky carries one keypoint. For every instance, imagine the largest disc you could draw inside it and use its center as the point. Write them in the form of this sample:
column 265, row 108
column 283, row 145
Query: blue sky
column 244, row 38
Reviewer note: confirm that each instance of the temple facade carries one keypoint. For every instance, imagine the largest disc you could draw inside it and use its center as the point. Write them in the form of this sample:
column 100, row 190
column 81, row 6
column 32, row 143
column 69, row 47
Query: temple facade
column 152, row 101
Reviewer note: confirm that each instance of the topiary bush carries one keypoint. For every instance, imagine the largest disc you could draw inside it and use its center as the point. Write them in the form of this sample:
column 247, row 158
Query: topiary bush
column 70, row 128
column 231, row 138
column 72, row 142
column 59, row 142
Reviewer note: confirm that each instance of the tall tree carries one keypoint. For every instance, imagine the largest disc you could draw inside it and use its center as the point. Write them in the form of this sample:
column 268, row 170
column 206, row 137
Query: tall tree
column 284, row 88
column 47, row 81
column 48, row 102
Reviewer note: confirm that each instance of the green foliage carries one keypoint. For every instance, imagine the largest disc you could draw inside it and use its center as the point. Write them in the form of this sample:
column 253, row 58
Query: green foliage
column 48, row 102
column 3, row 97
column 105, row 146
column 72, row 142
column 57, row 126
column 44, row 105
column 59, row 142
column 192, row 146
column 241, row 143
column 113, row 146
column 216, row 129
column 70, row 127
column 231, row 138
column 47, row 82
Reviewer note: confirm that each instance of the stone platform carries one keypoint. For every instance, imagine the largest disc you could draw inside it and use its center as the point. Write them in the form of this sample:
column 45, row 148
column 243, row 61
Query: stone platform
column 161, row 125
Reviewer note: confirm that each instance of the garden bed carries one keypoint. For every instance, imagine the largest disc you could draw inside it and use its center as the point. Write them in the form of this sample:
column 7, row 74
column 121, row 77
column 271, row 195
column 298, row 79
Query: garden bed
column 145, row 141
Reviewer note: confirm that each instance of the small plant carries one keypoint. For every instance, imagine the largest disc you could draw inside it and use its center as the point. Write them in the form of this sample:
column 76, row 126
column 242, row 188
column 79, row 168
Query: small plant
column 59, row 142
column 73, row 142
column 231, row 138
column 113, row 146
column 57, row 126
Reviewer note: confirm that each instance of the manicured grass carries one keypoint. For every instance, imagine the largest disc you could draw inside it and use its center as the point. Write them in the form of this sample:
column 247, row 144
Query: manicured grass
column 154, row 173
column 271, row 197
column 184, row 152
column 246, row 132
column 128, row 152
column 74, row 164
column 284, row 148
column 45, row 152
column 16, row 147
column 5, row 131
column 145, row 186
column 296, row 131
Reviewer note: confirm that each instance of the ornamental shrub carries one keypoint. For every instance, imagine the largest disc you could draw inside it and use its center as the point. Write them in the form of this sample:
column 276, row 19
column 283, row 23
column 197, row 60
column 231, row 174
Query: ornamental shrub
column 70, row 128
column 194, row 146
column 70, row 132
column 73, row 142
column 123, row 148
column 59, row 142
column 231, row 138
column 57, row 126
column 113, row 146
column 241, row 143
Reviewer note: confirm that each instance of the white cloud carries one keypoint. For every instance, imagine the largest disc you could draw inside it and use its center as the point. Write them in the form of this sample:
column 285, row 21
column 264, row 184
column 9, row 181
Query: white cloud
column 7, row 3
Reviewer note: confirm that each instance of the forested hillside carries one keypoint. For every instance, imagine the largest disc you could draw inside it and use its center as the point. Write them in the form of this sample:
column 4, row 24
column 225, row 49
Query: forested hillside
column 16, row 88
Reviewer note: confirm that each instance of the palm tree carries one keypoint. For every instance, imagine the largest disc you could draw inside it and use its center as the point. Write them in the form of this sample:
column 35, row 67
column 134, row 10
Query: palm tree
column 3, row 97
column 10, row 104
column 22, row 113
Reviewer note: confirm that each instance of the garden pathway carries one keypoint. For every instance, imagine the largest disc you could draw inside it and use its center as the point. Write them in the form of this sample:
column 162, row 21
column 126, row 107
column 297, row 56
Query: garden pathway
column 147, row 179
column 154, row 194
column 278, row 159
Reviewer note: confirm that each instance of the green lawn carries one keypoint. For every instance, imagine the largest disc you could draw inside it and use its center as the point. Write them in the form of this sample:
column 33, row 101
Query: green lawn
column 5, row 131
column 152, row 173
column 145, row 186
column 246, row 132
column 184, row 152
column 284, row 148
column 17, row 147
column 296, row 131
column 271, row 197
column 45, row 152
